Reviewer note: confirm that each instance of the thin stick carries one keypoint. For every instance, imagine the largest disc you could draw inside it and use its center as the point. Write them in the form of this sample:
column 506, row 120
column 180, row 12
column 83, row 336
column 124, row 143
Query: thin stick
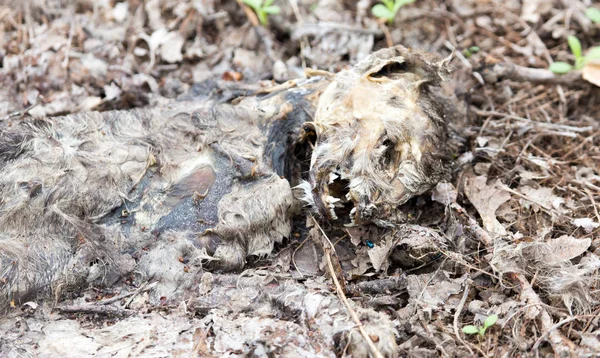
column 388, row 35
column 345, row 300
column 94, row 309
column 545, row 335
column 459, row 309
column 517, row 73
column 589, row 194
column 249, row 14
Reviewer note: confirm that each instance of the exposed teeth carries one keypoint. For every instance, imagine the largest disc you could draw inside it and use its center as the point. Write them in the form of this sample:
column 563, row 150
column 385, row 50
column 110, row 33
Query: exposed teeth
column 353, row 211
column 332, row 212
column 351, row 224
column 331, row 200
column 332, row 177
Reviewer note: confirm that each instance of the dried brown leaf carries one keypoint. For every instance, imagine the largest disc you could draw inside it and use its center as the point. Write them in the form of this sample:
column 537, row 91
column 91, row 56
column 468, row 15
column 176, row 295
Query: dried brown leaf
column 566, row 248
column 591, row 72
column 487, row 199
column 380, row 253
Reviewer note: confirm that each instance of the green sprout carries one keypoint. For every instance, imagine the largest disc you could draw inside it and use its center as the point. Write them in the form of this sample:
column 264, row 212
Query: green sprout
column 490, row 321
column 389, row 9
column 470, row 51
column 580, row 60
column 263, row 8
column 593, row 14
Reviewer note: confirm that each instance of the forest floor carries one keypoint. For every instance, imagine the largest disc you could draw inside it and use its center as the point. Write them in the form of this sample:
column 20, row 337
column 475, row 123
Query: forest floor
column 517, row 229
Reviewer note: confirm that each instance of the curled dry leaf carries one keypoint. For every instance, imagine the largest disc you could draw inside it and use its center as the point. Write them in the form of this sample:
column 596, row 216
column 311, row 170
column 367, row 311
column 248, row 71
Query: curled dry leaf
column 587, row 224
column 379, row 253
column 444, row 193
column 566, row 248
column 542, row 197
column 591, row 72
column 170, row 50
column 487, row 199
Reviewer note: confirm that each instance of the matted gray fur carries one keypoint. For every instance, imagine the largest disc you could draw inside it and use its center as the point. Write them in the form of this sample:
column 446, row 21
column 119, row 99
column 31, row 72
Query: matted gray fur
column 89, row 198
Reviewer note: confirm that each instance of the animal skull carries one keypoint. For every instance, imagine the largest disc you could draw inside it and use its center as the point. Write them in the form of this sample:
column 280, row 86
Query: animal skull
column 379, row 136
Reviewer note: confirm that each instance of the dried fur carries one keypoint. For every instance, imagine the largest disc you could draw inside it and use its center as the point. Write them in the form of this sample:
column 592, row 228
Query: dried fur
column 381, row 129
column 88, row 198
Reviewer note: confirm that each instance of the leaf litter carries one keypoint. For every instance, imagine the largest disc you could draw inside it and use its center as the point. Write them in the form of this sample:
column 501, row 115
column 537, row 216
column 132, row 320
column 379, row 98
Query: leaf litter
column 515, row 233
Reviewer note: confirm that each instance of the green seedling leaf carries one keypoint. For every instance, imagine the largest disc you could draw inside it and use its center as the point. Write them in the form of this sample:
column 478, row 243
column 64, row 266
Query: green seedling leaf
column 262, row 17
column 574, row 45
column 593, row 54
column 400, row 3
column 274, row 10
column 490, row 321
column 267, row 3
column 382, row 12
column 388, row 4
column 560, row 68
column 593, row 14
column 470, row 329
column 254, row 4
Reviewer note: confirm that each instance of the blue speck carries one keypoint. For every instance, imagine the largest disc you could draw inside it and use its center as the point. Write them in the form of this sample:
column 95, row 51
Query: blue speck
column 370, row 244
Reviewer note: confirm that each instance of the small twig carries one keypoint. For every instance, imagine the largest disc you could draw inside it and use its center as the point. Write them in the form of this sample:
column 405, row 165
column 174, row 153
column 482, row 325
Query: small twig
column 388, row 35
column 589, row 194
column 97, row 309
column 561, row 345
column 249, row 13
column 260, row 30
column 345, row 300
column 65, row 62
column 144, row 287
column 322, row 28
column 545, row 335
column 517, row 73
column 382, row 285
column 459, row 309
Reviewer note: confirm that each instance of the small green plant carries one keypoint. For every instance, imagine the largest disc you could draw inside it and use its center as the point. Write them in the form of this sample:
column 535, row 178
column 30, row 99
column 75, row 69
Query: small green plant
column 389, row 9
column 593, row 14
column 580, row 60
column 263, row 8
column 470, row 51
column 490, row 321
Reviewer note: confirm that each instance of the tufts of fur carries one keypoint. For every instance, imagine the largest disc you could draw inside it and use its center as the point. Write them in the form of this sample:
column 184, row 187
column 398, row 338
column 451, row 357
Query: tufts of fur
column 85, row 198
column 563, row 281
column 381, row 133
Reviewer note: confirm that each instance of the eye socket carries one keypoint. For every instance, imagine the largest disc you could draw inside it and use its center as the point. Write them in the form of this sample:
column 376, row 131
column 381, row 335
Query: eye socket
column 309, row 133
column 390, row 69
column 388, row 156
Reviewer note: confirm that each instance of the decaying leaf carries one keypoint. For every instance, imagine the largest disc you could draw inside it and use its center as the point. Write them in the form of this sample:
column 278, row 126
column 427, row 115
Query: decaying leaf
column 433, row 291
column 170, row 49
column 380, row 253
column 542, row 197
column 444, row 193
column 566, row 248
column 487, row 199
column 591, row 72
column 587, row 224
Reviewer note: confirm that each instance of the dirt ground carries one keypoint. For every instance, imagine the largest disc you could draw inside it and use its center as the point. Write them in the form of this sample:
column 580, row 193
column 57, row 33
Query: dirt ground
column 516, row 233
